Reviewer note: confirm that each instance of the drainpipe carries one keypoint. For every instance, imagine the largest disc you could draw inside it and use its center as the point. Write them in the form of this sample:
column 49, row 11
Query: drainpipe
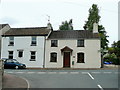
column 44, row 52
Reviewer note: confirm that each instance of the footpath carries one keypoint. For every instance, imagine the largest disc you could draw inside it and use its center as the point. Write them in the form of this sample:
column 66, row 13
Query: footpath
column 12, row 81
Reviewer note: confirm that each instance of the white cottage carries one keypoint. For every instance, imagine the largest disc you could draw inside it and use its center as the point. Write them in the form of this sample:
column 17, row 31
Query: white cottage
column 73, row 49
column 27, row 45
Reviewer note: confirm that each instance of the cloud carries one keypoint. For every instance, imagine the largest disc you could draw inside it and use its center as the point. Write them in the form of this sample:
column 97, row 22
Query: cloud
column 8, row 20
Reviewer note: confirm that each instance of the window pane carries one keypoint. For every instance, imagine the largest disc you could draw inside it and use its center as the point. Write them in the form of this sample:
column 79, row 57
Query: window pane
column 33, row 38
column 11, row 38
column 80, row 43
column 53, row 43
column 53, row 57
column 10, row 55
column 20, row 53
column 80, row 57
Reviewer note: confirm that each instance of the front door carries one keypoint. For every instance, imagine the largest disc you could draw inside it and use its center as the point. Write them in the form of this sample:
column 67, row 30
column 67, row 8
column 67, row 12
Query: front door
column 66, row 58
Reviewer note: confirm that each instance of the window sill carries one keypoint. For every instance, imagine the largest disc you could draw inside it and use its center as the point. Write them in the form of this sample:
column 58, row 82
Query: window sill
column 80, row 62
column 33, row 45
column 80, row 46
column 32, row 60
column 10, row 45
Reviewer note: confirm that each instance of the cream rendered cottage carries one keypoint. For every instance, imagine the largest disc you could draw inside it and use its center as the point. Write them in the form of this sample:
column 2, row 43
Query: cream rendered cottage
column 73, row 49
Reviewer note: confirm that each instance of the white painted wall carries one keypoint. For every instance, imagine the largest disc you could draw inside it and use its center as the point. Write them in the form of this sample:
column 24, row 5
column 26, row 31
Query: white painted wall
column 92, row 56
column 24, row 43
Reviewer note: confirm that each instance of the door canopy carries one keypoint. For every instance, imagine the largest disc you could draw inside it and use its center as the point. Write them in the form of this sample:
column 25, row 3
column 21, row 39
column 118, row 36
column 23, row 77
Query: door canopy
column 66, row 48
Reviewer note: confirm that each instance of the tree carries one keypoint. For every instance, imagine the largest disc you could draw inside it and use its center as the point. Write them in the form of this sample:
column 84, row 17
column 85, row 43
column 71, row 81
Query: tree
column 95, row 17
column 66, row 25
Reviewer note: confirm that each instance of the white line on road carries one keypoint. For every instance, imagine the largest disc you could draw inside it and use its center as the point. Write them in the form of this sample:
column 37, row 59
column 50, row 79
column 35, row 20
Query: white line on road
column 52, row 72
column 96, row 72
column 107, row 72
column 19, row 72
column 41, row 72
column 74, row 72
column 9, row 72
column 63, row 72
column 85, row 72
column 90, row 75
column 100, row 87
column 30, row 72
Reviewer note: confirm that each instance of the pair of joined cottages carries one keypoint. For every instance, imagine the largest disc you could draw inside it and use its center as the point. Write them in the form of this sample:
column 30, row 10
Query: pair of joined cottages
column 41, row 47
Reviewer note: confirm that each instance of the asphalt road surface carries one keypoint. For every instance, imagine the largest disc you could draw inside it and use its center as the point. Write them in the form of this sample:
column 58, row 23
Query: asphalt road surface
column 99, row 79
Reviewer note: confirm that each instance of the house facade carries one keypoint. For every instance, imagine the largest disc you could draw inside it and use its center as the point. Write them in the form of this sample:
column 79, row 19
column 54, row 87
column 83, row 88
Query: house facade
column 41, row 47
column 73, row 49
column 3, row 28
column 27, row 45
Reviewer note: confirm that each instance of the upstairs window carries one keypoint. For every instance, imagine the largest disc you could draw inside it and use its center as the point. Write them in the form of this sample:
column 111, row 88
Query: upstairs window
column 33, row 56
column 54, row 43
column 80, row 57
column 80, row 43
column 10, row 56
column 33, row 41
column 53, row 57
column 11, row 41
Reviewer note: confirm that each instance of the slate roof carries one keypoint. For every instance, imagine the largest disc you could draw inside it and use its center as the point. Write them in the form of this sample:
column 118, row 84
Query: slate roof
column 32, row 31
column 72, row 34
column 2, row 25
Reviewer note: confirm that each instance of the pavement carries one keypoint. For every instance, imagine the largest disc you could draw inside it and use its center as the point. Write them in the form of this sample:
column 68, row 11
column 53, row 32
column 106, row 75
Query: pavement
column 12, row 81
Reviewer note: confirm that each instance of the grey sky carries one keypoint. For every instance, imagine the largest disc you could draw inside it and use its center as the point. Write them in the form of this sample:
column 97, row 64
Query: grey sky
column 33, row 13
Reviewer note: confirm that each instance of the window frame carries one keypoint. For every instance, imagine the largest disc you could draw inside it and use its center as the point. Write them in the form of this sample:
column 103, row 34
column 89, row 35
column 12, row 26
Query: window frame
column 52, row 57
column 80, row 43
column 10, row 55
column 33, row 41
column 33, row 55
column 54, row 43
column 20, row 55
column 11, row 41
column 79, row 60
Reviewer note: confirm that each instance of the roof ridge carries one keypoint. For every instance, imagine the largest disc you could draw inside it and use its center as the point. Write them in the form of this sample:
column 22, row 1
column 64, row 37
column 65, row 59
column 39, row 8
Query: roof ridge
column 28, row 27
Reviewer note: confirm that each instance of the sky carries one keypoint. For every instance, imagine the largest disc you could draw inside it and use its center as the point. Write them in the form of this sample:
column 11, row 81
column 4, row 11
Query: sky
column 34, row 13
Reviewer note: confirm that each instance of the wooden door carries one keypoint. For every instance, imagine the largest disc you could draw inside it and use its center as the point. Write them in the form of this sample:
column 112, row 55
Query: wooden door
column 66, row 59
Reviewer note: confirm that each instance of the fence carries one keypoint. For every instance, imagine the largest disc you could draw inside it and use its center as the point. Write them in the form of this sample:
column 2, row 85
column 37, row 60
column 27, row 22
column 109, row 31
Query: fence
column 1, row 72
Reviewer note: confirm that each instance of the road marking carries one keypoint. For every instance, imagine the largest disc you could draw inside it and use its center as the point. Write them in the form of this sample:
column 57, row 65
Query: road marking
column 91, row 76
column 96, row 72
column 41, row 72
column 74, row 72
column 19, row 72
column 27, row 83
column 9, row 72
column 107, row 72
column 85, row 72
column 100, row 87
column 63, row 72
column 52, row 72
column 30, row 72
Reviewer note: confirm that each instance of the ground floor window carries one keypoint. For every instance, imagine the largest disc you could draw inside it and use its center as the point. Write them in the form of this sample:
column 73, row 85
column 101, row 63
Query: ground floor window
column 53, row 57
column 20, row 54
column 10, row 56
column 33, row 56
column 80, row 57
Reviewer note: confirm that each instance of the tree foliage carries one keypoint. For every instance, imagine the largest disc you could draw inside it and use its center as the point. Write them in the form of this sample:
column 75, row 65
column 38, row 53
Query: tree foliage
column 95, row 17
column 66, row 25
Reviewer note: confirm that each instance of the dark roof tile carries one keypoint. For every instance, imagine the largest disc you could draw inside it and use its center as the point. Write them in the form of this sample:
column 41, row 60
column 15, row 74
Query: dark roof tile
column 40, row 31
column 72, row 34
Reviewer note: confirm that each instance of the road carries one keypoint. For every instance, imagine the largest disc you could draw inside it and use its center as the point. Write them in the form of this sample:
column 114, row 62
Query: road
column 99, row 79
